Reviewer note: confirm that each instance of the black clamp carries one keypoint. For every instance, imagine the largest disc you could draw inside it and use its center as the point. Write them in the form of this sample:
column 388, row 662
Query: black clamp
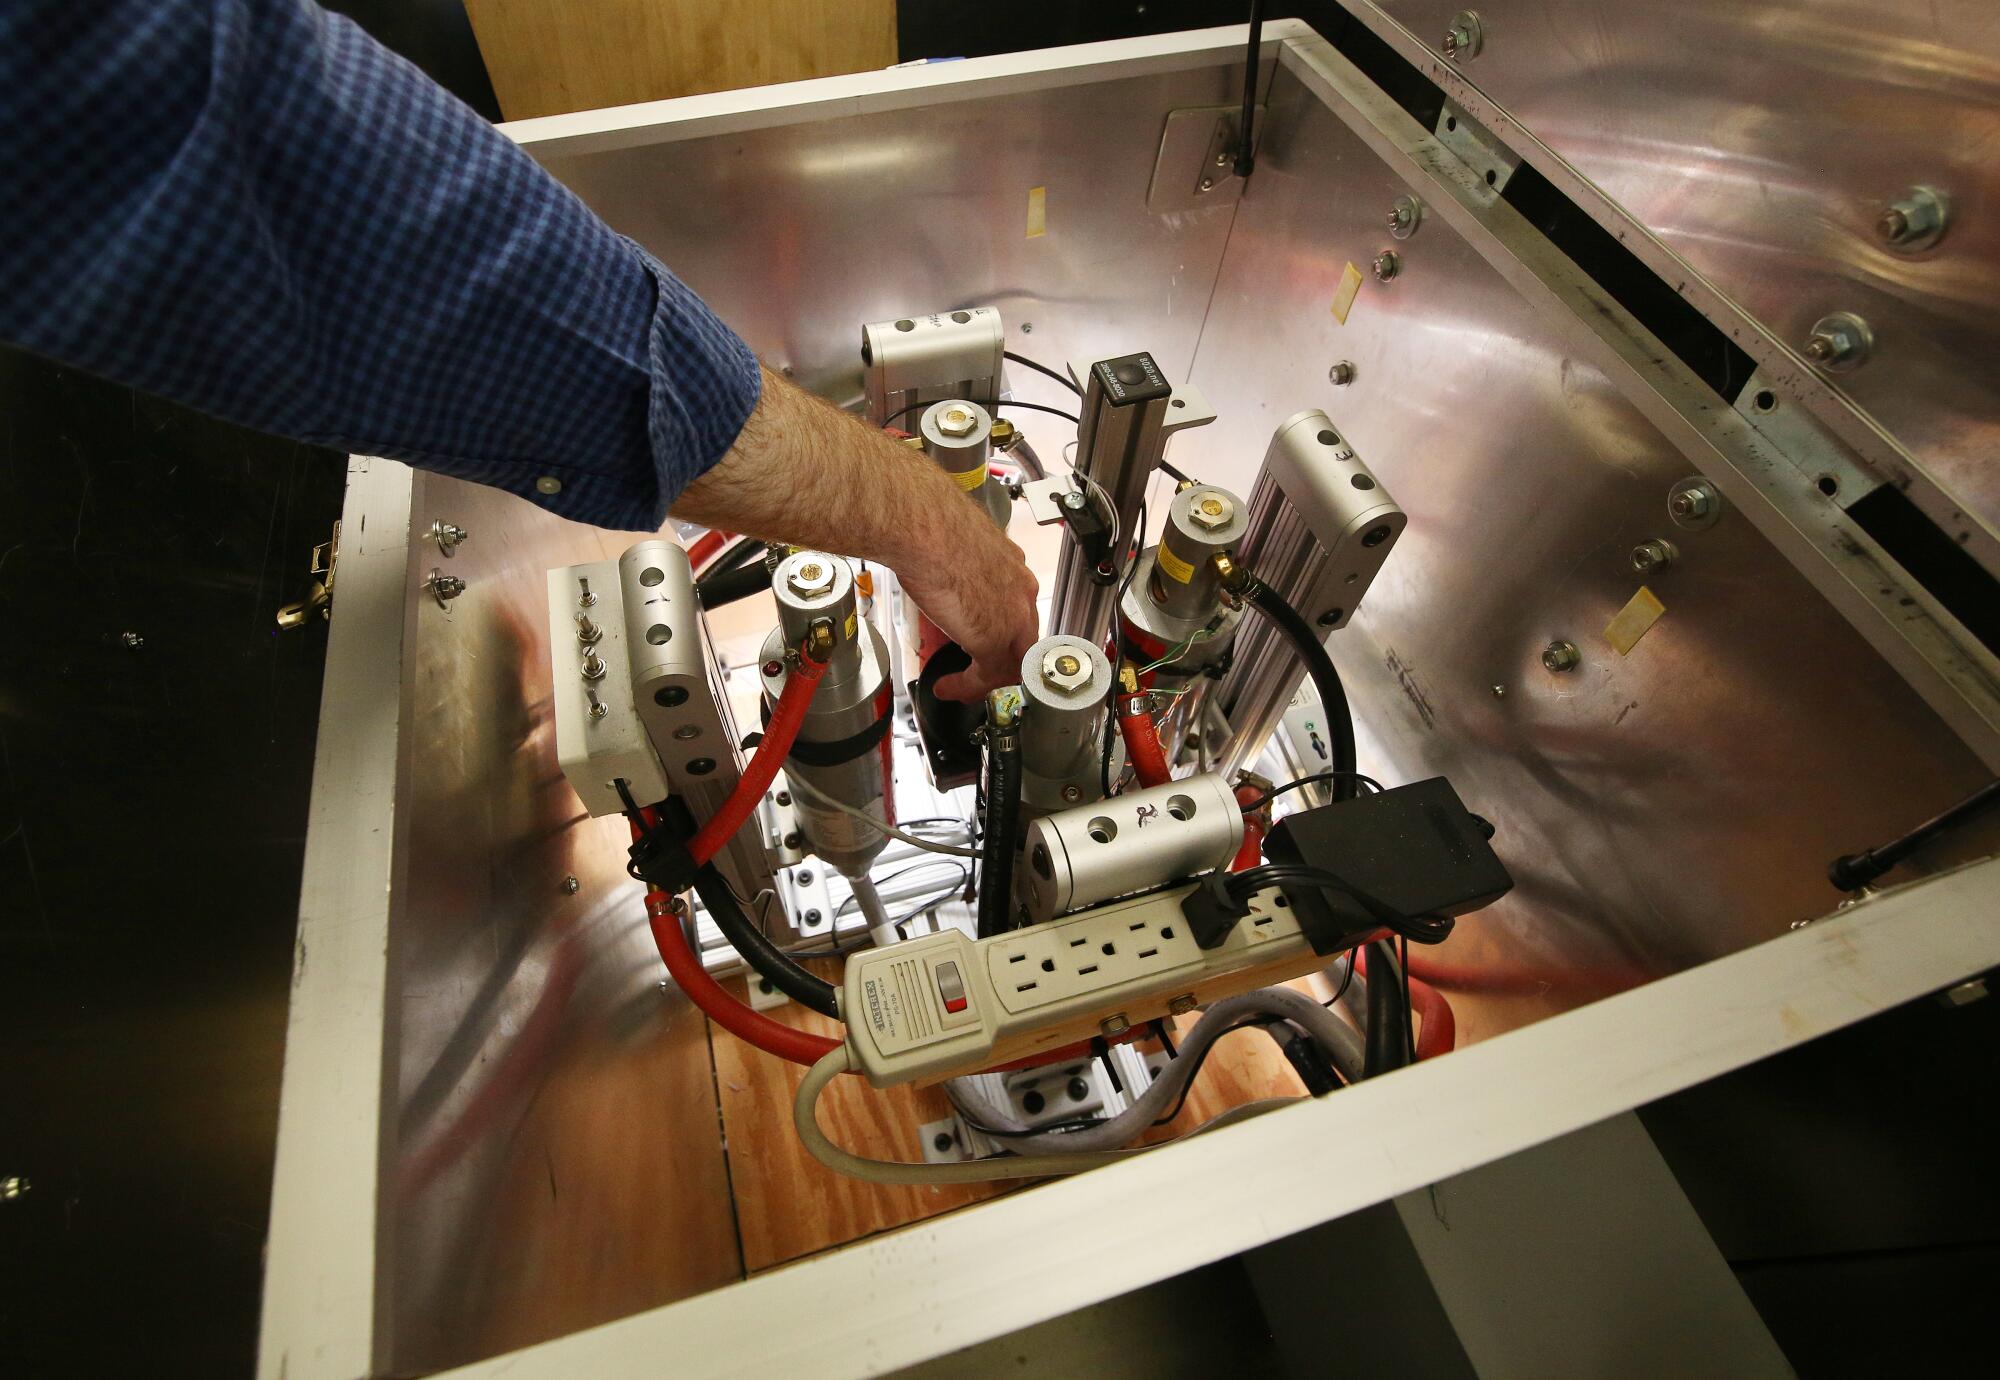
column 662, row 862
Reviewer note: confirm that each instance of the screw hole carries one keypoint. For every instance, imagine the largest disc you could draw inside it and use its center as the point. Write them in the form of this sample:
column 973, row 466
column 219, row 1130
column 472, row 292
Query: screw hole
column 1048, row 965
column 1181, row 807
column 1110, row 949
column 1362, row 481
column 659, row 634
column 1330, row 617
column 1765, row 400
column 764, row 986
column 1101, row 830
column 1450, row 123
column 701, row 766
column 1329, row 438
column 1491, row 177
column 1375, row 536
column 1282, row 901
column 1032, row 1102
column 1178, row 402
column 942, row 1141
column 651, row 576
column 961, row 317
column 673, row 697
column 1828, row 485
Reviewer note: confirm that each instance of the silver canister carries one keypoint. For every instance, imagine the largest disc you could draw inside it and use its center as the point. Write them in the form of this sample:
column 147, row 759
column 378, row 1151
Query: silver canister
column 1066, row 683
column 1134, row 842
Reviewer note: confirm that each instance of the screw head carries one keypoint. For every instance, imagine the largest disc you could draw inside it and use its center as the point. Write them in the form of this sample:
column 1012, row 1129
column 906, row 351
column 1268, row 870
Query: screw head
column 1560, row 656
column 1072, row 794
column 1387, row 265
column 1114, row 1025
column 1649, row 556
column 1839, row 342
column 1341, row 374
column 571, row 886
column 1694, row 503
column 1404, row 217
column 1208, row 184
column 774, row 668
column 1065, row 670
column 1915, row 220
column 1074, row 501
column 810, row 576
column 957, row 420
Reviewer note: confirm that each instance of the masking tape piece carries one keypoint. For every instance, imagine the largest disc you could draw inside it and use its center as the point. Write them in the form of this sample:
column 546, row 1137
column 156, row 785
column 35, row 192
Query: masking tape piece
column 1631, row 622
column 1343, row 297
column 1172, row 566
column 1038, row 212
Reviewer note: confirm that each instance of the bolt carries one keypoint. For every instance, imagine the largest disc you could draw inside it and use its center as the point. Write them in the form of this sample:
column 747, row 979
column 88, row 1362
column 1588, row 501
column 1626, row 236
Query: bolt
column 804, row 876
column 584, row 596
column 1404, row 217
column 593, row 666
column 1690, row 503
column 1560, row 656
column 794, row 839
column 687, row 731
column 132, row 640
column 1114, row 1025
column 571, row 886
column 1211, row 512
column 1465, row 38
column 956, row 420
column 587, row 632
column 12, row 1187
column 811, row 918
column 1072, row 794
column 448, row 535
column 1064, row 670
column 1387, row 265
column 597, row 706
column 1499, row 692
column 1181, row 1005
column 784, row 797
column 1649, row 556
column 443, row 587
column 1839, row 341
column 1915, row 220
column 1341, row 374
column 1207, row 184
column 809, row 578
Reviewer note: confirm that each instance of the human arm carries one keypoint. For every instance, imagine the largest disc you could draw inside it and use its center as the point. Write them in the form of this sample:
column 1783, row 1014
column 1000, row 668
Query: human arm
column 804, row 472
column 253, row 208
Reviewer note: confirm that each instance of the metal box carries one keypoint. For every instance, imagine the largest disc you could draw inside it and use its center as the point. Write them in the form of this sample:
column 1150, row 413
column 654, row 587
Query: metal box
column 477, row 1009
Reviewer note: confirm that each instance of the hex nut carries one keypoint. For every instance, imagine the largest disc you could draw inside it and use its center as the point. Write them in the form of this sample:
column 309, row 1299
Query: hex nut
column 1913, row 221
column 1405, row 216
column 957, row 420
column 1065, row 670
column 1211, row 512
column 1466, row 38
column 1341, row 374
column 1387, row 265
column 810, row 577
column 1560, row 656
column 1649, row 556
column 1839, row 341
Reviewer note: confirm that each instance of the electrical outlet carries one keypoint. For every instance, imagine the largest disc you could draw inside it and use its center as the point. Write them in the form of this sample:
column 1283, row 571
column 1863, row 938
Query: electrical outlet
column 946, row 1004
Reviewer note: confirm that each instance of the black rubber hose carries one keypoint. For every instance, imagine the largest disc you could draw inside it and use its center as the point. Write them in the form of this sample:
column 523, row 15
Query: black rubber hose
column 734, row 554
column 1003, row 831
column 1856, row 870
column 1387, row 1025
column 807, row 989
column 728, row 586
column 1326, row 680
column 1246, row 158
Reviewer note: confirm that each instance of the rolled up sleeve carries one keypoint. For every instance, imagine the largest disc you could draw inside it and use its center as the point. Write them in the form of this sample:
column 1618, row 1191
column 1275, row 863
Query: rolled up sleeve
column 253, row 208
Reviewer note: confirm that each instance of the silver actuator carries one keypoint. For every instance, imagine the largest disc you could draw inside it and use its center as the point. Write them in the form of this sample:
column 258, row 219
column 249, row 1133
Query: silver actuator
column 1129, row 843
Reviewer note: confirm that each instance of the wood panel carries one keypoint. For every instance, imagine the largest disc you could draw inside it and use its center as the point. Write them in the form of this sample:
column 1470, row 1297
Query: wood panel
column 548, row 57
column 788, row 1205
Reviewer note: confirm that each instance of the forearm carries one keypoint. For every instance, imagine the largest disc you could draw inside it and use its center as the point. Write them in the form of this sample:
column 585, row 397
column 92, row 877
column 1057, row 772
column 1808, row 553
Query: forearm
column 805, row 473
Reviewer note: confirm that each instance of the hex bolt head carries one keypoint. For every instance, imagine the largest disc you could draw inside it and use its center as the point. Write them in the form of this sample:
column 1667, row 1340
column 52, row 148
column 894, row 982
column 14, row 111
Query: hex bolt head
column 1694, row 503
column 1649, row 556
column 1839, row 342
column 957, row 420
column 1341, row 374
column 1560, row 656
column 1211, row 512
column 1913, row 221
column 1466, row 37
column 1387, row 265
column 811, row 577
column 1405, row 216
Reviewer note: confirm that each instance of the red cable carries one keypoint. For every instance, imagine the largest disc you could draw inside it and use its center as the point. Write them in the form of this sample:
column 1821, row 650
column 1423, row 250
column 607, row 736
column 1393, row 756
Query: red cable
column 753, row 1027
column 706, row 546
column 786, row 716
column 1142, row 745
column 1437, row 1032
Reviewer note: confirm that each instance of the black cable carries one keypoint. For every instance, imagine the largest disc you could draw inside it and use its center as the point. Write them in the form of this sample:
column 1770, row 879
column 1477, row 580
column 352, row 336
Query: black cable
column 1333, row 698
column 807, row 989
column 728, row 586
column 1383, row 1049
column 734, row 554
column 1409, row 1012
column 1003, row 829
column 1245, row 159
column 1276, row 791
column 1856, row 870
column 1027, row 363
column 1170, row 472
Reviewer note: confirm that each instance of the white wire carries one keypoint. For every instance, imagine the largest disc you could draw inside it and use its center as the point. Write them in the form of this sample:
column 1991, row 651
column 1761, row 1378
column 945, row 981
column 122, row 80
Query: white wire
column 805, row 1115
column 802, row 786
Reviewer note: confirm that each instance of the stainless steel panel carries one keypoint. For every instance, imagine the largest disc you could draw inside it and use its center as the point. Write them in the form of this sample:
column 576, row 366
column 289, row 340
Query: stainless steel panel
column 555, row 1160
column 1657, row 809
column 1761, row 141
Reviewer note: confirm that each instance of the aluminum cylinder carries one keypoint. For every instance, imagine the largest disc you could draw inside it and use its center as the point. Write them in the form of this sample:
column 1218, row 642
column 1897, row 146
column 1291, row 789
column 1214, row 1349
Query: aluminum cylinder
column 1130, row 843
column 851, row 701
column 1066, row 683
column 959, row 436
column 1201, row 521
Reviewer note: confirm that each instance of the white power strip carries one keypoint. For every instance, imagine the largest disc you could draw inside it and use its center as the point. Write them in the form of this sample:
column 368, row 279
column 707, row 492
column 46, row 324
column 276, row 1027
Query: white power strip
column 947, row 1004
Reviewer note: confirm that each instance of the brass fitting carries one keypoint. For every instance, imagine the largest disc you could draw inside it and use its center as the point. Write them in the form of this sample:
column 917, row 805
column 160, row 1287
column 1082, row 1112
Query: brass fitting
column 820, row 640
column 1234, row 577
column 1003, row 709
column 1128, row 678
column 1003, row 435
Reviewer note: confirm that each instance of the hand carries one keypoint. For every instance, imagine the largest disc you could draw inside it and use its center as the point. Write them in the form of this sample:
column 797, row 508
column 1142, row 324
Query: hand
column 977, row 587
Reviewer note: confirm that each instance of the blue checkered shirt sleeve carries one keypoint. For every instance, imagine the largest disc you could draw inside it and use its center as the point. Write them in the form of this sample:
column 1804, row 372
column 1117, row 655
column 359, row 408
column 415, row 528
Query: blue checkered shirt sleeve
column 251, row 207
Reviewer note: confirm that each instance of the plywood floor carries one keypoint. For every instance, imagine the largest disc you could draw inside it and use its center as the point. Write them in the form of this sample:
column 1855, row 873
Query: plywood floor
column 788, row 1205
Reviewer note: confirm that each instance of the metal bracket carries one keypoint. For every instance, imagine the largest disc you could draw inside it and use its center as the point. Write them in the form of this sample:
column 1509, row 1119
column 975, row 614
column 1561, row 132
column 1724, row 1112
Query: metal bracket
column 1195, row 166
column 1491, row 161
column 319, row 594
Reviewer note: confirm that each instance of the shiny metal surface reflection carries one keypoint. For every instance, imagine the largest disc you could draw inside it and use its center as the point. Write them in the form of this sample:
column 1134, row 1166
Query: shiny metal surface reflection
column 1656, row 808
column 1763, row 142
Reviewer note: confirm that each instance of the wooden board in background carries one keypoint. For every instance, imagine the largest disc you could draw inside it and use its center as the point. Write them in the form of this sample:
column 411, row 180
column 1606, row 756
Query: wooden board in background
column 548, row 57
column 788, row 1205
